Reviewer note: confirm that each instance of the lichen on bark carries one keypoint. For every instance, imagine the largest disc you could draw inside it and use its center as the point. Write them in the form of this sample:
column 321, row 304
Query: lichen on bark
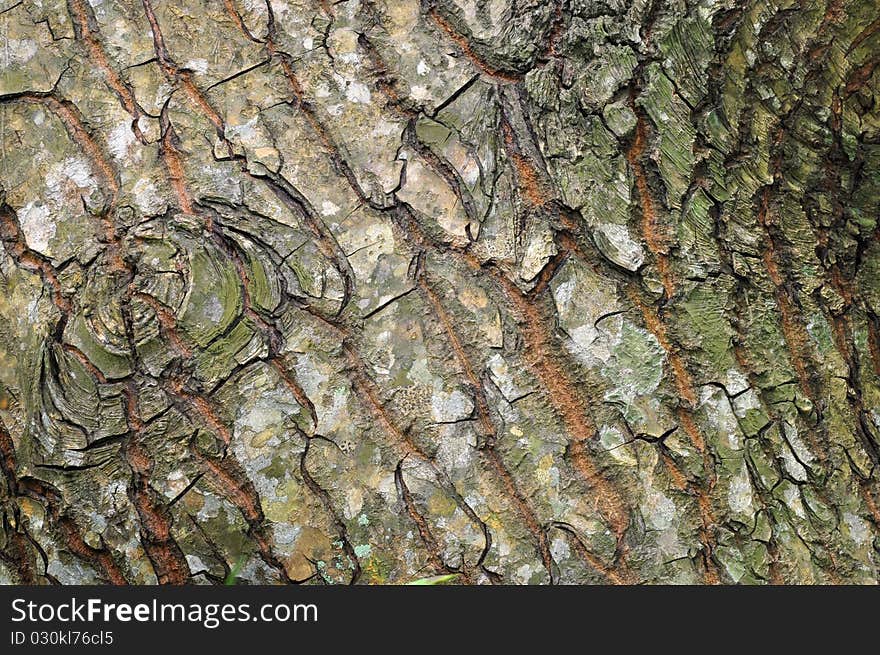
column 368, row 291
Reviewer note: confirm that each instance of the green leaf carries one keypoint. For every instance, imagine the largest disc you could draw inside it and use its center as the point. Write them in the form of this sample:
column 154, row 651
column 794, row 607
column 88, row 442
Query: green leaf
column 435, row 580
column 232, row 576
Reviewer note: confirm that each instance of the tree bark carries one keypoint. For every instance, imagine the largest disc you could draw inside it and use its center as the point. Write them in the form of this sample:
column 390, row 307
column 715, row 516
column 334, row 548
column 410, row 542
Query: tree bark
column 362, row 292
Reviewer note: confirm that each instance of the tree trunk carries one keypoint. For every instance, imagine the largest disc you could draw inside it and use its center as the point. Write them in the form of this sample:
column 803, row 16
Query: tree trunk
column 362, row 292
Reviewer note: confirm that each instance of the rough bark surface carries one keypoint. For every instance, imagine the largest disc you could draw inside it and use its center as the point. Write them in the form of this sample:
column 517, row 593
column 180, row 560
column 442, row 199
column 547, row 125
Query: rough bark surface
column 364, row 291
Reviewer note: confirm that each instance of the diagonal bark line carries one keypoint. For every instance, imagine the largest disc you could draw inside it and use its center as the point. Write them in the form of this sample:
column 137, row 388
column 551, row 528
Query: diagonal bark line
column 325, row 499
column 16, row 247
column 155, row 525
column 74, row 123
column 368, row 395
column 85, row 29
column 267, row 327
column 173, row 162
column 245, row 499
column 233, row 483
column 451, row 178
column 582, row 462
column 560, row 390
column 235, row 15
column 63, row 524
column 433, row 10
column 488, row 425
column 442, row 168
column 595, row 562
column 840, row 321
column 655, row 239
column 284, row 190
column 425, row 534
column 746, row 366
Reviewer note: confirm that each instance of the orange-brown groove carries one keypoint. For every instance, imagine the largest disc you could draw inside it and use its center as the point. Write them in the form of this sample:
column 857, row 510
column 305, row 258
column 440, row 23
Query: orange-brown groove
column 99, row 557
column 71, row 534
column 776, row 577
column 439, row 165
column 203, row 408
column 202, row 103
column 466, row 49
column 164, row 554
column 483, row 413
column 861, row 75
column 67, row 528
column 870, row 503
column 236, row 18
column 237, row 487
column 385, row 81
column 81, row 14
column 368, row 394
column 528, row 181
column 864, row 35
column 242, row 494
column 174, row 167
column 539, row 353
column 197, row 402
column 317, row 126
column 366, row 390
column 679, row 479
column 167, row 147
column 326, row 242
column 167, row 150
column 488, row 425
column 542, row 283
column 166, row 319
column 553, row 378
column 279, row 363
column 651, row 230
column 73, row 123
column 791, row 320
column 70, row 117
column 18, row 552
column 707, row 518
column 681, row 377
column 167, row 323
column 16, row 247
column 270, row 332
column 745, row 365
column 8, row 462
column 522, row 506
column 83, row 359
column 569, row 406
column 658, row 246
column 684, row 386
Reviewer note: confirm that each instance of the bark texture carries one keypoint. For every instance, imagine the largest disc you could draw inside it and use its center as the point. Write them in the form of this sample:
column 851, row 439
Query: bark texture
column 364, row 291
